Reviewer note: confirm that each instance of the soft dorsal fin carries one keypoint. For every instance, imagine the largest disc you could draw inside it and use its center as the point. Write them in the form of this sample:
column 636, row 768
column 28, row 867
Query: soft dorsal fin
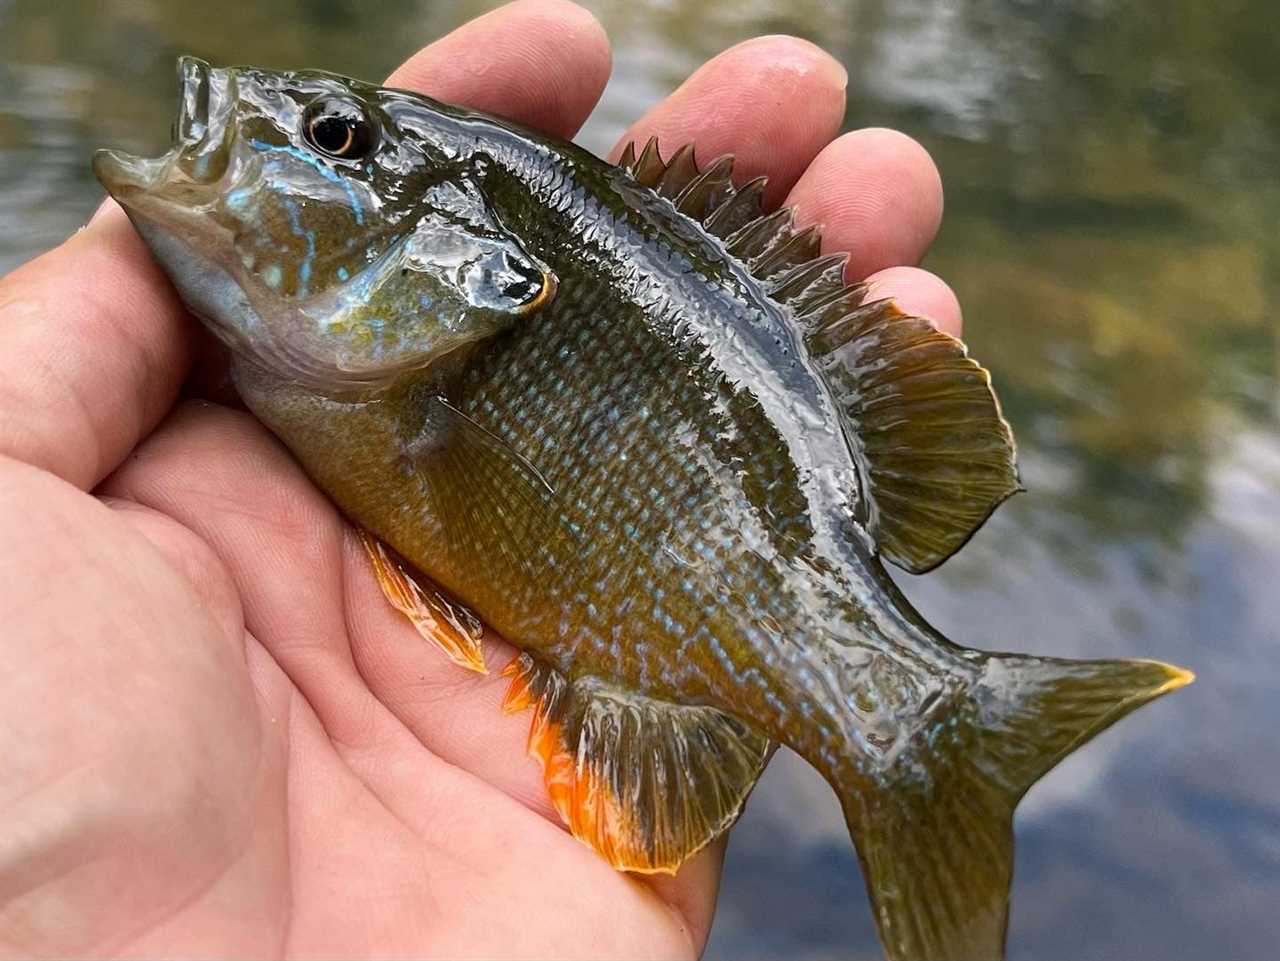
column 935, row 455
column 644, row 782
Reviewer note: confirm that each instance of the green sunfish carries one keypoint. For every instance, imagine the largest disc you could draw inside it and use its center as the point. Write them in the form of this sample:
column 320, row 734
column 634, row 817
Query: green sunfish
column 646, row 432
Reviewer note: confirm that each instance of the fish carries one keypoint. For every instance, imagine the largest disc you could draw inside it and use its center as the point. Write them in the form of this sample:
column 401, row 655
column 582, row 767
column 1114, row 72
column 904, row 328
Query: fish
column 644, row 429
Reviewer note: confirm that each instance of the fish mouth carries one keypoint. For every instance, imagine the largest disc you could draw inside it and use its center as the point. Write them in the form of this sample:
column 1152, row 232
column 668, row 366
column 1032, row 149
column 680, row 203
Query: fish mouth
column 201, row 142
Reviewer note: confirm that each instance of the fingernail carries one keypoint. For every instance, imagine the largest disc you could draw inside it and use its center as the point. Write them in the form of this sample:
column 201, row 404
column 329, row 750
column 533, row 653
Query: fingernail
column 835, row 70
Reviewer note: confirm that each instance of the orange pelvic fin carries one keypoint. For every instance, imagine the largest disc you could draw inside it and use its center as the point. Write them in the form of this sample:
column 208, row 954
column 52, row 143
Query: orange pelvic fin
column 644, row 782
column 447, row 624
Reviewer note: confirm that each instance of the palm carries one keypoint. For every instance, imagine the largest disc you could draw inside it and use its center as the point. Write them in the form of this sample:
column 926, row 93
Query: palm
column 370, row 798
column 216, row 737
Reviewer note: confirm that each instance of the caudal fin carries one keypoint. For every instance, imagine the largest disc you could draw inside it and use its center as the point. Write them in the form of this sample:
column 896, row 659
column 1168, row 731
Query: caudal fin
column 934, row 833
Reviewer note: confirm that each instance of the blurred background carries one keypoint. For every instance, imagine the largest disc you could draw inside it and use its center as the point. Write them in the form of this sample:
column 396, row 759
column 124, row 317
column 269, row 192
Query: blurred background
column 1111, row 169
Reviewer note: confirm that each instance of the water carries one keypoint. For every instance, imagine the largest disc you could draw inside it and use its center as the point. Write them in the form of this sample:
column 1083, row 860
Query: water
column 1112, row 201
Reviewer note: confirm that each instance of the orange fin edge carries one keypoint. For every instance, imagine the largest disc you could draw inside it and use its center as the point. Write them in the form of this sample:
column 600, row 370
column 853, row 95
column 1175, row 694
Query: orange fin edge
column 448, row 625
column 581, row 792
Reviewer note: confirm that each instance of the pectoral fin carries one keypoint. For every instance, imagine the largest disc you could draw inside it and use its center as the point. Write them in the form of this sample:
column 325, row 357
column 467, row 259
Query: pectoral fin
column 489, row 498
column 447, row 624
column 644, row 782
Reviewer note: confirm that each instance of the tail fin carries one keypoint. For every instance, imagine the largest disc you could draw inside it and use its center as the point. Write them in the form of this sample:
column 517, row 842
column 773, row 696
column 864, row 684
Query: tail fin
column 935, row 832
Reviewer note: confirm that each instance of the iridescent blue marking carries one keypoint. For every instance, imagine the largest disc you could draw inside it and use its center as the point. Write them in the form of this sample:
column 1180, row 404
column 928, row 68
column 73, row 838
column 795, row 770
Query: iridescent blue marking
column 320, row 167
column 343, row 273
column 309, row 238
column 238, row 199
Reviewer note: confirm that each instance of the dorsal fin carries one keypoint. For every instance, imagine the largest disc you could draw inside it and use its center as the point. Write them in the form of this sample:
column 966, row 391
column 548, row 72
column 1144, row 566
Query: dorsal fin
column 785, row 259
column 645, row 782
column 707, row 190
column 934, row 453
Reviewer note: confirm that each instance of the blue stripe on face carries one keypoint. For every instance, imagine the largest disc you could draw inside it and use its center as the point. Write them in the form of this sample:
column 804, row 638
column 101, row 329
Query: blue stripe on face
column 309, row 238
column 320, row 167
column 239, row 198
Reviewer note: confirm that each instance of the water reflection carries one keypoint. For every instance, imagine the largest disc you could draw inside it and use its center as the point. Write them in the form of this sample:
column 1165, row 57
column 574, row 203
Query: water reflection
column 1112, row 202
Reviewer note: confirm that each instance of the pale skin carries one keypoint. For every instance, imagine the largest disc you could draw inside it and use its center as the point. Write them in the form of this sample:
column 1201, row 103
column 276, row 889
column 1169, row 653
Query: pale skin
column 216, row 738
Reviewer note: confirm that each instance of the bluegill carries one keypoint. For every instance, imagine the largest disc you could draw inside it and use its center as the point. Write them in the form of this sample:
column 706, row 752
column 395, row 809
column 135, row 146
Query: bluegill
column 644, row 430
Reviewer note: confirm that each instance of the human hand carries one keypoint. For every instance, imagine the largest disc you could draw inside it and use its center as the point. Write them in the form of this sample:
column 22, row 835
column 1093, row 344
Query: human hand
column 215, row 735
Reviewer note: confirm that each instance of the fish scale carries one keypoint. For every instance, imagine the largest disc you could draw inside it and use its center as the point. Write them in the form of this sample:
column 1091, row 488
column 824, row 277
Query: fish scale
column 583, row 346
column 498, row 397
column 622, row 415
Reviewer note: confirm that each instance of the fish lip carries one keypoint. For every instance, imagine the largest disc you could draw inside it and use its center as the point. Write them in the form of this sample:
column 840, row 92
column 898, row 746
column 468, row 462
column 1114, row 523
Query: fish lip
column 201, row 134
column 192, row 122
column 124, row 174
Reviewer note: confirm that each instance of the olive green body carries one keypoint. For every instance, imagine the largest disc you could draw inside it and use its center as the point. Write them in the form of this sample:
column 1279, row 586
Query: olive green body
column 663, row 463
column 710, row 550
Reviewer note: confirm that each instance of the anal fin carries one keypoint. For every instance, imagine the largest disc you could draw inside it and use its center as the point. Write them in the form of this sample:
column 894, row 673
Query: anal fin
column 447, row 624
column 644, row 782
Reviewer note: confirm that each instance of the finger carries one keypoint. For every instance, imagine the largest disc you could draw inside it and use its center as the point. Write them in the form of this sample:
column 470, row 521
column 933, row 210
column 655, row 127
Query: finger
column 311, row 599
column 921, row 293
column 456, row 713
column 543, row 63
column 93, row 347
column 190, row 557
column 877, row 195
column 693, row 890
column 219, row 474
column 773, row 102
column 115, row 677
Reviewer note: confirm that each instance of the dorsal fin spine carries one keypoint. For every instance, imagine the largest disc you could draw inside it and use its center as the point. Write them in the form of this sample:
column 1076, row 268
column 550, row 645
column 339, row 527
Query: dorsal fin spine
column 707, row 190
column 787, row 261
column 934, row 454
column 737, row 210
column 795, row 284
column 799, row 249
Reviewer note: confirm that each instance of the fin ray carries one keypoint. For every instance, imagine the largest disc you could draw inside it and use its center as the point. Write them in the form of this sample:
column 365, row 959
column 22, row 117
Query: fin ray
column 646, row 783
column 504, row 493
column 934, row 831
column 901, row 385
column 925, row 427
column 446, row 623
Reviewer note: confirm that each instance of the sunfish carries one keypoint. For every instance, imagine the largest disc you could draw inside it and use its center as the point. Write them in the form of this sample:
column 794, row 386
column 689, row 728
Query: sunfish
column 646, row 432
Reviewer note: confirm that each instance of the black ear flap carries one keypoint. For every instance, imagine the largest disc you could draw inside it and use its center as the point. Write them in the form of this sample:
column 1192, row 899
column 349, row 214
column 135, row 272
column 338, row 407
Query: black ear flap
column 471, row 257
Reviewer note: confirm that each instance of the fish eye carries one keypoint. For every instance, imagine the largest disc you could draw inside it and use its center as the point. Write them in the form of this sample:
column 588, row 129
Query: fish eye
column 340, row 128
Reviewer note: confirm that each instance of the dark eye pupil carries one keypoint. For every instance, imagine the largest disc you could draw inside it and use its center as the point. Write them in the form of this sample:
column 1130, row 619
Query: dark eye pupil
column 333, row 135
column 340, row 128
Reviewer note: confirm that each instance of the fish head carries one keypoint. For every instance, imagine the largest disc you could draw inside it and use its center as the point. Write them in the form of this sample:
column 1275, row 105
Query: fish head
column 318, row 235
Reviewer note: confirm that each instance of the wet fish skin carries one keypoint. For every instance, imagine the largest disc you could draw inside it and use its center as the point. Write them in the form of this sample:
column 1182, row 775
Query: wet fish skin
column 632, row 456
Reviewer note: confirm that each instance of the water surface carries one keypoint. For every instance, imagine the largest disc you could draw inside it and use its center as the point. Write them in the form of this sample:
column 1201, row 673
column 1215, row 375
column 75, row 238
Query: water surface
column 1112, row 193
